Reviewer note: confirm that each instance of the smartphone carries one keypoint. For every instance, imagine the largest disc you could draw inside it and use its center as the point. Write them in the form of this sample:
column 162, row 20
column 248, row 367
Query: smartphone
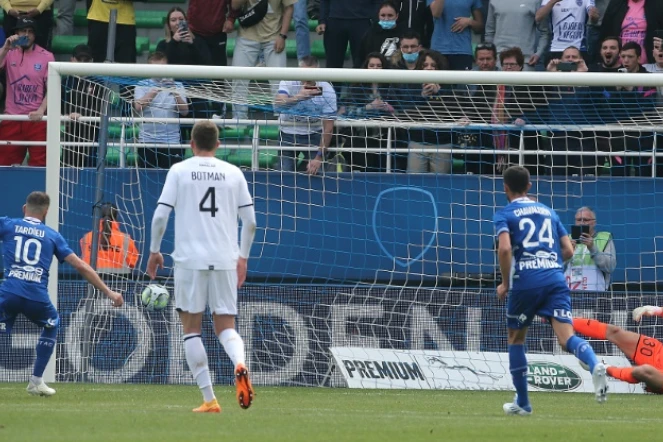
column 567, row 66
column 21, row 41
column 318, row 89
column 576, row 231
column 183, row 26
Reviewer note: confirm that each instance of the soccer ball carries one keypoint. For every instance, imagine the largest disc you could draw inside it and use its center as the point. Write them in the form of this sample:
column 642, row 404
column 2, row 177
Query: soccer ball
column 155, row 297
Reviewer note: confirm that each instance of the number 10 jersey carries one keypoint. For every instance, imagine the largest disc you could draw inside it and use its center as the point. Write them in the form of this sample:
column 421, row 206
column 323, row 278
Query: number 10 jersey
column 206, row 194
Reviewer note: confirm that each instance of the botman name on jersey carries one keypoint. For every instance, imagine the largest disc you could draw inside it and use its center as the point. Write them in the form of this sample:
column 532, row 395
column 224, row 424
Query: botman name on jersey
column 208, row 176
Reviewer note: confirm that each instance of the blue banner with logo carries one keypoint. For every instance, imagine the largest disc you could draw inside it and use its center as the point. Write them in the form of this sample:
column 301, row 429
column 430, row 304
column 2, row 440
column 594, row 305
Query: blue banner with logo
column 405, row 228
column 288, row 330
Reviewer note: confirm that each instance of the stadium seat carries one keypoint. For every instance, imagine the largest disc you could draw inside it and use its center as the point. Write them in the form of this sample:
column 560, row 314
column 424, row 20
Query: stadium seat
column 65, row 44
column 242, row 158
column 266, row 133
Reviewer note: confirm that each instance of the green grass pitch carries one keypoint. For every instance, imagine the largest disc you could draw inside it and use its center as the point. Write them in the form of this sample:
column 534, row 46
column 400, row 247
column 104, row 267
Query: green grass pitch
column 128, row 413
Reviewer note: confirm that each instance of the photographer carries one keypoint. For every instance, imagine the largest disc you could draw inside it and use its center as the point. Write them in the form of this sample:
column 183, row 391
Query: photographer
column 180, row 45
column 160, row 98
column 594, row 256
column 305, row 121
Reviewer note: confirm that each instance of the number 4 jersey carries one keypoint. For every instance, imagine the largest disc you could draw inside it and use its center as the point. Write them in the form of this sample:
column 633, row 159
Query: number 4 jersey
column 535, row 232
column 28, row 246
column 206, row 194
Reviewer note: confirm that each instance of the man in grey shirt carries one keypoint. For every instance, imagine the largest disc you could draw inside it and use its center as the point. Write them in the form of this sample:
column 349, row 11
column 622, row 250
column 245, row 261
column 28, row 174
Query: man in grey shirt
column 511, row 23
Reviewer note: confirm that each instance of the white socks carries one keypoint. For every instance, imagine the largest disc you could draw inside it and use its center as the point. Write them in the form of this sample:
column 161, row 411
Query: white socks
column 196, row 358
column 233, row 345
column 36, row 380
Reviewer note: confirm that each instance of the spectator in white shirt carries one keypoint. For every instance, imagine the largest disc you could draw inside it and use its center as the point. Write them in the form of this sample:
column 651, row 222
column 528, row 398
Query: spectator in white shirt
column 305, row 121
column 568, row 23
column 160, row 98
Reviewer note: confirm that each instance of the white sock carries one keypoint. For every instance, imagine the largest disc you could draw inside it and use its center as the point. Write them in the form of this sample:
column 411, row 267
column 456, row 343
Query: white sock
column 233, row 345
column 196, row 358
column 36, row 380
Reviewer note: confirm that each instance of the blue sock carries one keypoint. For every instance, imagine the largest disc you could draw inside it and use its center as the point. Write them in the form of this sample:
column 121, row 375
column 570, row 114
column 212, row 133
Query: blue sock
column 583, row 351
column 45, row 347
column 518, row 368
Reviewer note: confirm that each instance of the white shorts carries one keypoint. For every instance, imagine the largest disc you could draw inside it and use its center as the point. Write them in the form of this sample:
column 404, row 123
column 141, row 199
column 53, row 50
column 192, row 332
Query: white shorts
column 197, row 289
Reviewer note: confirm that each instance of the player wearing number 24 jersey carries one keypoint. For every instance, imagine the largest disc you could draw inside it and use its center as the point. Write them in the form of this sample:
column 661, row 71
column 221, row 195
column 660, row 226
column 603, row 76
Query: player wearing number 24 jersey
column 531, row 246
column 28, row 247
column 208, row 195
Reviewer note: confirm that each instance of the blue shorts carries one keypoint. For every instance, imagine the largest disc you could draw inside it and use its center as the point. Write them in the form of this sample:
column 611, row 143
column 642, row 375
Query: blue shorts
column 553, row 301
column 43, row 314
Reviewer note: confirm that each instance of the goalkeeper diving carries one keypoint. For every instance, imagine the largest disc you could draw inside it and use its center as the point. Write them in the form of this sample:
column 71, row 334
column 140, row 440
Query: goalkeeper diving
column 645, row 352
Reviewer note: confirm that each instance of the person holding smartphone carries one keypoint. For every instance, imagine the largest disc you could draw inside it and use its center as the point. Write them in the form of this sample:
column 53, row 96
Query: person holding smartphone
column 306, row 121
column 25, row 65
column 179, row 44
column 594, row 256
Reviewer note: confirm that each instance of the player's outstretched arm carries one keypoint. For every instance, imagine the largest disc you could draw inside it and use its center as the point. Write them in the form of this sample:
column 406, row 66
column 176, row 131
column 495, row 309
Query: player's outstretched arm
column 646, row 310
column 93, row 278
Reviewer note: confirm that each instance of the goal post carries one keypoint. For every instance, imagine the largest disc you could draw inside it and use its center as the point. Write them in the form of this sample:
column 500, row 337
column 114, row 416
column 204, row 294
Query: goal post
column 349, row 267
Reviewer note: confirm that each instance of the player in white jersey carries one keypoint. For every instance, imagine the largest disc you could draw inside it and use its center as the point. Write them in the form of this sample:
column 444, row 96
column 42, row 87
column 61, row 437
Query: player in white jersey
column 208, row 195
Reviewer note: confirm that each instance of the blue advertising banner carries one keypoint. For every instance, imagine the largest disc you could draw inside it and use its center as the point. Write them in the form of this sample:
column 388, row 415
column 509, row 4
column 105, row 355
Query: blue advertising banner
column 288, row 331
column 367, row 227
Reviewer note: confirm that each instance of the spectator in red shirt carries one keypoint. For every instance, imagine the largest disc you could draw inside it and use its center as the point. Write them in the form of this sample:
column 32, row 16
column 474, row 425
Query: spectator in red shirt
column 212, row 21
column 26, row 67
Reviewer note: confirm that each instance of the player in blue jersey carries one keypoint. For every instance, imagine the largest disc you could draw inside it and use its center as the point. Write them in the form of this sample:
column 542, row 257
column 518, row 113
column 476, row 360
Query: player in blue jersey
column 28, row 247
column 532, row 244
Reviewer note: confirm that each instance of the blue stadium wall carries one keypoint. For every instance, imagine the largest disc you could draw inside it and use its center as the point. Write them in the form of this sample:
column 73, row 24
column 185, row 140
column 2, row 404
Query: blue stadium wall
column 360, row 227
column 336, row 229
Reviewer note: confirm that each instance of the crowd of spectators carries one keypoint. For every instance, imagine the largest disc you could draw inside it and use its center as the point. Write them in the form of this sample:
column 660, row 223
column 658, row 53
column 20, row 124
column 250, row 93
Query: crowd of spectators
column 513, row 35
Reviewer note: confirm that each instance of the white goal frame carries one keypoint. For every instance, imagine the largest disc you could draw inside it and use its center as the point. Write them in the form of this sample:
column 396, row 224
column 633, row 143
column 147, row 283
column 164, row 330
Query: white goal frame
column 59, row 69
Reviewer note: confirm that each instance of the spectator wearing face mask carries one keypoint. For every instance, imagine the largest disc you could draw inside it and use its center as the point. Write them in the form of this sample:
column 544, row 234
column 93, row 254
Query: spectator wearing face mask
column 409, row 47
column 384, row 36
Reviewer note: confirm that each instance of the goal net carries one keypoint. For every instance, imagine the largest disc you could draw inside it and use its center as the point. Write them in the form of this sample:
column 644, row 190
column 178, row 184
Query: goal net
column 378, row 270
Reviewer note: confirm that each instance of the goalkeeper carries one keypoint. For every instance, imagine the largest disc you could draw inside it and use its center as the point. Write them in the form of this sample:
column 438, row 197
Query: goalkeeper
column 645, row 352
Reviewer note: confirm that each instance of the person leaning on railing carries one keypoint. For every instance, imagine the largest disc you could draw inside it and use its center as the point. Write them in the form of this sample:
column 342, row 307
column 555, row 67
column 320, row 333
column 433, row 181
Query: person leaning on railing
column 160, row 98
column 305, row 111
